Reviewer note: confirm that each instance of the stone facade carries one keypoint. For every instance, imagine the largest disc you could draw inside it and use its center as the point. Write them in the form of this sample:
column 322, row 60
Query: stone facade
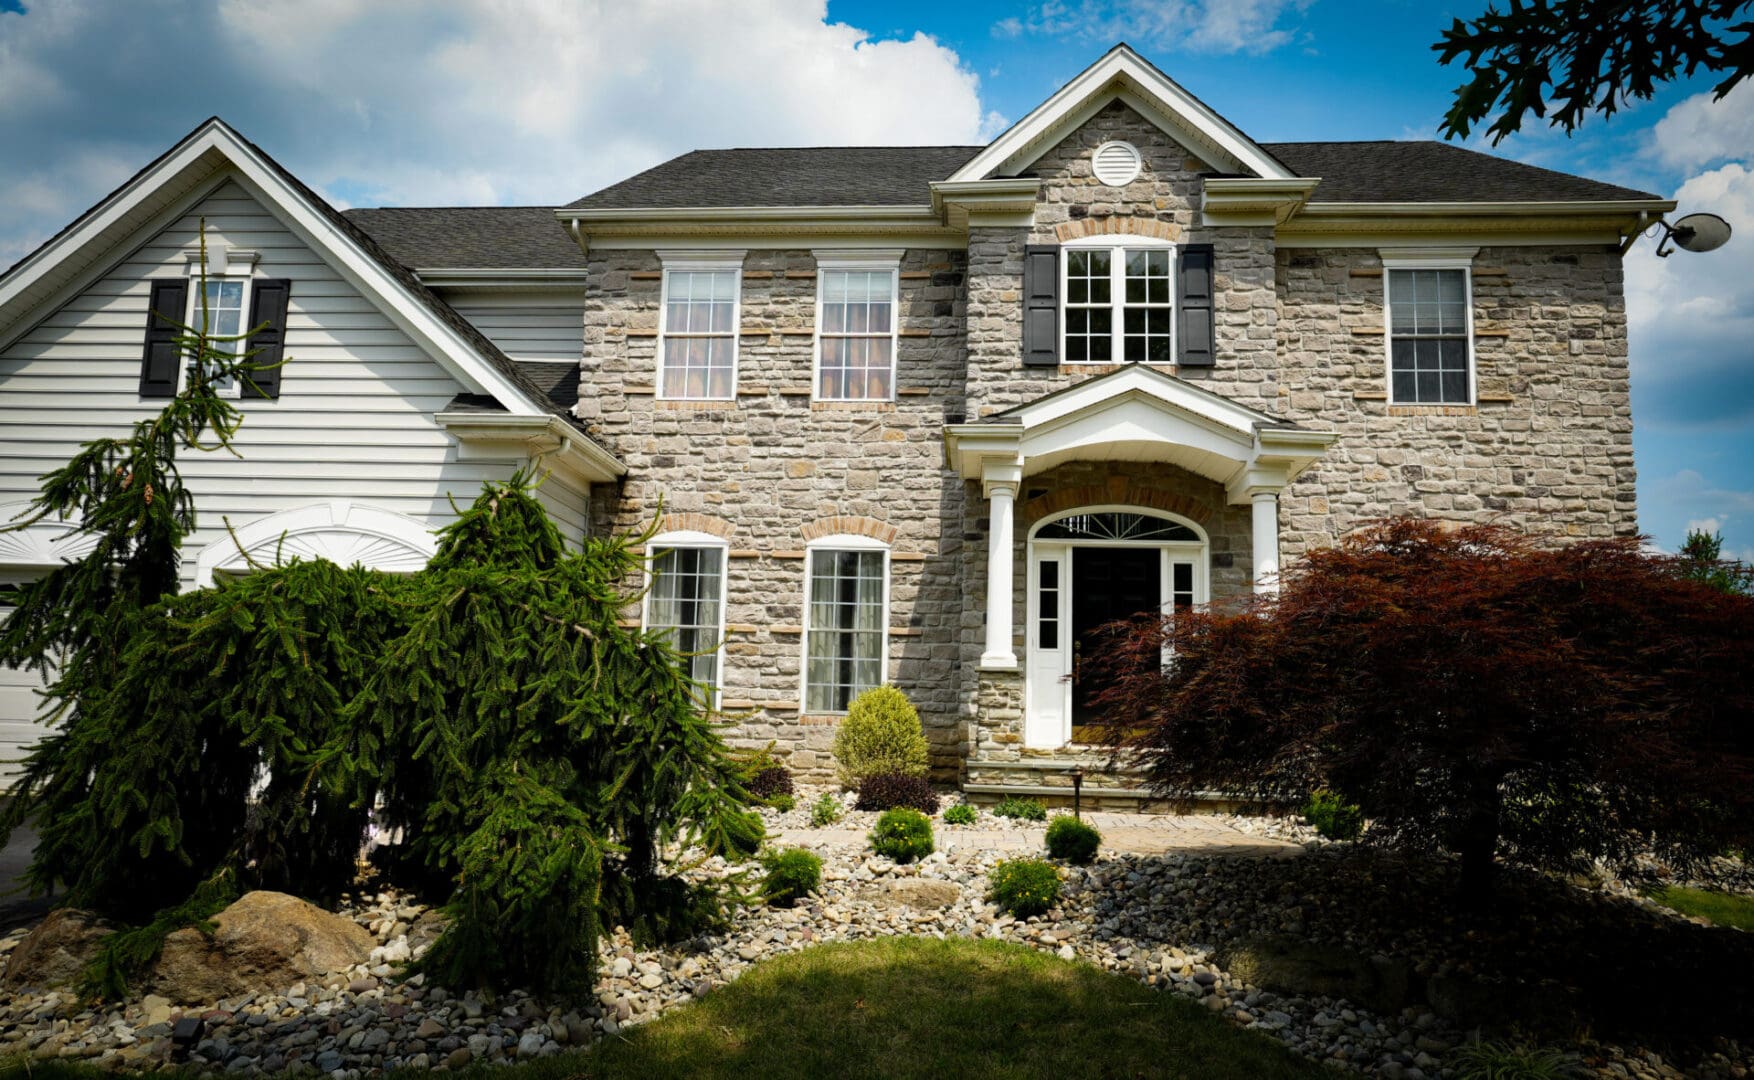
column 1298, row 336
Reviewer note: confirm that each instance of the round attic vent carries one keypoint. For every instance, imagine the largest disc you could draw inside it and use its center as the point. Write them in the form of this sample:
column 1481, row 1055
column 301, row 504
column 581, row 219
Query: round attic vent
column 1116, row 164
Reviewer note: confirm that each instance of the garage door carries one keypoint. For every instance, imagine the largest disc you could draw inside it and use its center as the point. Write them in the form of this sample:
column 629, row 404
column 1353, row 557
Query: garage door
column 19, row 707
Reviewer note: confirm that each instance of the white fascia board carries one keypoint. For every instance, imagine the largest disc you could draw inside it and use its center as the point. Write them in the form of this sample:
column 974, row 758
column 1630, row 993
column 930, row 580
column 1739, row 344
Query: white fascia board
column 1122, row 66
column 1137, row 378
column 1567, row 208
column 588, row 217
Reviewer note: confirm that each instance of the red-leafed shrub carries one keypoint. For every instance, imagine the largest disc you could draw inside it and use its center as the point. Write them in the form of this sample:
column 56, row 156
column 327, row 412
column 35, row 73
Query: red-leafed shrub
column 1470, row 690
column 890, row 790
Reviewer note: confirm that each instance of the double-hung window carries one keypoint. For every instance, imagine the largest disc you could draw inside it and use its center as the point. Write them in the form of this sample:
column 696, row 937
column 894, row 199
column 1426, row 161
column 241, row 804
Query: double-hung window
column 218, row 302
column 697, row 341
column 686, row 601
column 1430, row 331
column 856, row 326
column 1119, row 297
column 847, row 618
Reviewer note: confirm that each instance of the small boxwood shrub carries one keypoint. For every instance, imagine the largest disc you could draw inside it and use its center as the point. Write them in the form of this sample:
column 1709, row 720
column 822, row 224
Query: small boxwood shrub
column 782, row 803
column 792, row 874
column 1024, row 887
column 826, row 810
column 903, row 835
column 1333, row 817
column 1022, row 809
column 880, row 735
column 960, row 814
column 890, row 790
column 1072, row 840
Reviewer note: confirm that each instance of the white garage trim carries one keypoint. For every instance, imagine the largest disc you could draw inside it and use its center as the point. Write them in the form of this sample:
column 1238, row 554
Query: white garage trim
column 340, row 531
column 44, row 545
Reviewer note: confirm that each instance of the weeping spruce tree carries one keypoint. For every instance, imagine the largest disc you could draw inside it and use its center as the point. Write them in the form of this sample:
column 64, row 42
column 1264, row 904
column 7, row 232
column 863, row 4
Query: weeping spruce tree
column 536, row 755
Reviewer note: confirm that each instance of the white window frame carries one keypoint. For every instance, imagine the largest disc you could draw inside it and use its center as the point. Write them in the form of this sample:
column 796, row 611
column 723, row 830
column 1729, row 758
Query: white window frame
column 223, row 264
column 840, row 542
column 687, row 538
column 1118, row 244
column 709, row 262
column 1462, row 260
column 879, row 260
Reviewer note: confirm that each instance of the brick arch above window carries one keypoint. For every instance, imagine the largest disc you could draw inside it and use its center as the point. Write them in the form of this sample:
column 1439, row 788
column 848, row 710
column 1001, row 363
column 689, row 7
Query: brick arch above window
column 699, row 523
column 1118, row 226
column 1117, row 492
column 847, row 524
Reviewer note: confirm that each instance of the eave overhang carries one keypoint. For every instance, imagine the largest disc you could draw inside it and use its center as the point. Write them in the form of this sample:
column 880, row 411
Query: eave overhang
column 1249, row 200
column 1606, row 221
column 493, row 436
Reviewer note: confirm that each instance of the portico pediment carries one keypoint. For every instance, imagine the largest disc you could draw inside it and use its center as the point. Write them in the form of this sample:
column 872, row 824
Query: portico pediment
column 1139, row 414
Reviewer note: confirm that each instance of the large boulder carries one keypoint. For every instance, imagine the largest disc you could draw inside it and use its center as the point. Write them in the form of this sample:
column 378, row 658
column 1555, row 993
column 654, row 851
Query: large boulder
column 1289, row 966
column 57, row 950
column 921, row 893
column 265, row 941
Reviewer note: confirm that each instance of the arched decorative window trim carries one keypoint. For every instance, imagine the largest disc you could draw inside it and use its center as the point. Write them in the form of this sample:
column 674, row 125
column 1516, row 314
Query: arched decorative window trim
column 693, row 538
column 340, row 531
column 1199, row 531
column 42, row 546
column 841, row 542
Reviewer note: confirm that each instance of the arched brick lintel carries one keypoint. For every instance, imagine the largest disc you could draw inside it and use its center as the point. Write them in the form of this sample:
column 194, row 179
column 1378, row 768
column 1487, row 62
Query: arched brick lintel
column 849, row 524
column 1127, row 226
column 704, row 523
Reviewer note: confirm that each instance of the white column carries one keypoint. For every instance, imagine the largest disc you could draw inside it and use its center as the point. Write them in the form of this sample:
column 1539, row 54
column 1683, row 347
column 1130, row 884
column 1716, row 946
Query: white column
column 1266, row 540
column 1000, row 538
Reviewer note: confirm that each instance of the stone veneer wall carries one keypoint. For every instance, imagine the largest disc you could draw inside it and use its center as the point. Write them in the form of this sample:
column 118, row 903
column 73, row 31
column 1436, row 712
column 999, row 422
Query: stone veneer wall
column 1548, row 447
column 775, row 468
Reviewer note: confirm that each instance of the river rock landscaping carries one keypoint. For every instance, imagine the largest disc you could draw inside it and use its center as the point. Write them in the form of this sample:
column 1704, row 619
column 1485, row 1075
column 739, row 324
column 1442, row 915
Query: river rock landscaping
column 1344, row 955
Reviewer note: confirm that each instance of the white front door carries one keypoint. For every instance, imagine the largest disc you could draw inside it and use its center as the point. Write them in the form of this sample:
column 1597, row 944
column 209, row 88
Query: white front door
column 1048, row 649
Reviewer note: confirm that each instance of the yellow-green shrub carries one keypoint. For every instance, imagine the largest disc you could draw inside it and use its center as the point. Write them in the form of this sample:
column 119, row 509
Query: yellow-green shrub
column 880, row 735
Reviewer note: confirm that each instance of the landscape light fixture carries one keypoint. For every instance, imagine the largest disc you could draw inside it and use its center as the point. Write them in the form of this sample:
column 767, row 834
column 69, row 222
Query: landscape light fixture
column 1077, row 775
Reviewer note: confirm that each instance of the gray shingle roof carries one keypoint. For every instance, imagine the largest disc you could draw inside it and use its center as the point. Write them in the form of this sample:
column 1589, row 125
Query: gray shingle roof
column 1429, row 171
column 899, row 176
column 787, row 176
column 472, row 237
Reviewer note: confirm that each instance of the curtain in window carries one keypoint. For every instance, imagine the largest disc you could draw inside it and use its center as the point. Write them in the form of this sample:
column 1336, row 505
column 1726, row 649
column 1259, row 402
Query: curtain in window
column 685, row 604
column 845, row 650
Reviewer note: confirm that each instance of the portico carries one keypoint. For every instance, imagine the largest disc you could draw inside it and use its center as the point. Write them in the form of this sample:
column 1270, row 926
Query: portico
column 1151, row 556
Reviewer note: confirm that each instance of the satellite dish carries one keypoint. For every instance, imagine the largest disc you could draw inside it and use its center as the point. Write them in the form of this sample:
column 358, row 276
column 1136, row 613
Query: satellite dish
column 1695, row 232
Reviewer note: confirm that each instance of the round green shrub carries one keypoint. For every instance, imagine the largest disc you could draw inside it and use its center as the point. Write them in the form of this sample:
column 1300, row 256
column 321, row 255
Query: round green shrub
column 880, row 735
column 1022, row 809
column 782, row 803
column 1073, row 840
column 1332, row 816
column 902, row 835
column 792, row 874
column 826, row 810
column 1024, row 887
column 960, row 814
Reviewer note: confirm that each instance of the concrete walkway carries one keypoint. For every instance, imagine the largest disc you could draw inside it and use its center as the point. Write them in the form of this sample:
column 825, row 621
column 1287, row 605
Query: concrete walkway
column 1135, row 834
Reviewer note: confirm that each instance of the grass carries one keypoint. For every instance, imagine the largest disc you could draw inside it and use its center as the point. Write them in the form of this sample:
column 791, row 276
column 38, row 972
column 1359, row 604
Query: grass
column 910, row 1007
column 1723, row 909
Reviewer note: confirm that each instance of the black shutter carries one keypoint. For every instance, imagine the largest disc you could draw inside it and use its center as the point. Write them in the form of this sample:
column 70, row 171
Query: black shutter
column 162, row 362
column 268, row 297
column 1195, row 307
column 1041, row 305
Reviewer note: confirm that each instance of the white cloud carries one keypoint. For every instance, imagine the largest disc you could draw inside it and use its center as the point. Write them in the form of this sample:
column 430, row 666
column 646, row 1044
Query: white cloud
column 459, row 101
column 1691, row 316
column 1709, row 525
column 1700, row 131
column 1219, row 26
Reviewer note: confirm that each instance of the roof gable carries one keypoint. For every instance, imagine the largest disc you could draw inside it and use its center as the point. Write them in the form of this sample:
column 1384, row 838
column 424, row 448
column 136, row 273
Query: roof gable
column 213, row 152
column 1122, row 74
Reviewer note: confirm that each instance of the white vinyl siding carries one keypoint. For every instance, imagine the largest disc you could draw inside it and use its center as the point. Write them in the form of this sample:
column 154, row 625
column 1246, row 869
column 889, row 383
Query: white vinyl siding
column 527, row 327
column 354, row 419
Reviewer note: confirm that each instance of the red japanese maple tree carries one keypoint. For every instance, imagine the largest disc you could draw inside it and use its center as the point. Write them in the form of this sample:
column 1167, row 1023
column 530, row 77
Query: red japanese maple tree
column 1473, row 690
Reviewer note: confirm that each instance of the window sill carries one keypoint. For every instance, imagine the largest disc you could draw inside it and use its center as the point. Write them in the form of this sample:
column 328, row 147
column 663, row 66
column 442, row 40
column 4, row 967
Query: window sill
column 1432, row 410
column 695, row 403
column 1082, row 368
column 852, row 406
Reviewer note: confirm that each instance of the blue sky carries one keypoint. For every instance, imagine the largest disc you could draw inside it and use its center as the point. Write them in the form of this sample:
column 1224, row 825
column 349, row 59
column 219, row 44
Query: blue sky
column 411, row 102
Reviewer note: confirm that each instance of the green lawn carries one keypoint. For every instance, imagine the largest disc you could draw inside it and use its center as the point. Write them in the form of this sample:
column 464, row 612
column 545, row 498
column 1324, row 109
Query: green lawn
column 1723, row 909
column 912, row 1007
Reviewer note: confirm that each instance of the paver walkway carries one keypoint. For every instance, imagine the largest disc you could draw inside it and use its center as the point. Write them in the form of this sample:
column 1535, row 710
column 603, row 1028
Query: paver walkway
column 1137, row 834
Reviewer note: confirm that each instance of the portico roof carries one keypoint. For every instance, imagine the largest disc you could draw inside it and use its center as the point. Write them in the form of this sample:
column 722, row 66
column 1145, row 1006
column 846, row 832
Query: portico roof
column 1138, row 414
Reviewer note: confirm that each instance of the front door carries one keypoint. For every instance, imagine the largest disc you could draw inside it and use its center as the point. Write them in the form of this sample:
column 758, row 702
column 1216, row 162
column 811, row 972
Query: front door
column 1108, row 583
